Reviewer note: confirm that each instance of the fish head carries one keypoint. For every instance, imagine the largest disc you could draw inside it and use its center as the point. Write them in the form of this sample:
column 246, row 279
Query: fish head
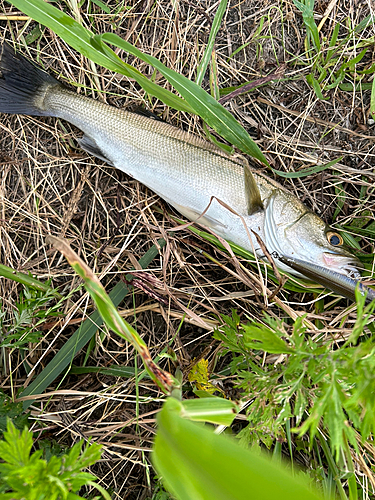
column 292, row 230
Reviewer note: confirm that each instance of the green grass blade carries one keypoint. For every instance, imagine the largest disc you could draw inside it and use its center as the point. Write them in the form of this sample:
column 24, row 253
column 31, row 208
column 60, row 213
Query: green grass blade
column 307, row 171
column 80, row 39
column 332, row 466
column 202, row 66
column 25, row 279
column 82, row 335
column 307, row 9
column 204, row 105
column 315, row 85
column 112, row 371
column 372, row 102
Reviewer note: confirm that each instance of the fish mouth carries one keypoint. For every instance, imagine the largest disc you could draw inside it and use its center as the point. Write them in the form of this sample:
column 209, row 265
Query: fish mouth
column 343, row 284
column 341, row 264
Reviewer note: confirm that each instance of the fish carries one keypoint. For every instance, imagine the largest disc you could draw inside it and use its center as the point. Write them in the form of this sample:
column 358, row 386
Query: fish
column 203, row 183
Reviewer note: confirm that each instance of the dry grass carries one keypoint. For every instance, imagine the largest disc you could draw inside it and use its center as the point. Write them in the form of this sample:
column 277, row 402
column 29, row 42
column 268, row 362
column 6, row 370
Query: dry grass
column 49, row 186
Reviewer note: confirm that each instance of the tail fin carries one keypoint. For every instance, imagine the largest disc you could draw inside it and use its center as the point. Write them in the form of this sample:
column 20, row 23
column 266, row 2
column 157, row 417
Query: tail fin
column 22, row 85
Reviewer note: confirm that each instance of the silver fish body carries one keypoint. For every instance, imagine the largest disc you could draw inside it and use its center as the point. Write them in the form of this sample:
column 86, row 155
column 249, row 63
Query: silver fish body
column 192, row 175
column 197, row 178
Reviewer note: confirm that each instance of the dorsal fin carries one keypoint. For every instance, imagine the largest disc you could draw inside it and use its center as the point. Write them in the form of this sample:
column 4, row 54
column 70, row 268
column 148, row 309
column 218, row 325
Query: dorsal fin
column 252, row 193
column 140, row 110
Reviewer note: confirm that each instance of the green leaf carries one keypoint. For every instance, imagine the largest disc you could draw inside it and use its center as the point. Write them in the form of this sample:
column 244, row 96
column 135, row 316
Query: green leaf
column 306, row 171
column 16, row 447
column 332, row 43
column 307, row 9
column 197, row 464
column 202, row 66
column 113, row 370
column 11, row 411
column 315, row 85
column 102, row 6
column 349, row 87
column 25, row 476
column 25, row 279
column 258, row 336
column 372, row 102
column 352, row 62
column 210, row 409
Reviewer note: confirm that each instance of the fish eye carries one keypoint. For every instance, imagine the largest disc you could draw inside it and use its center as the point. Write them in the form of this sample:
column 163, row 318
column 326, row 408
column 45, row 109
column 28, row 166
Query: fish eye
column 335, row 239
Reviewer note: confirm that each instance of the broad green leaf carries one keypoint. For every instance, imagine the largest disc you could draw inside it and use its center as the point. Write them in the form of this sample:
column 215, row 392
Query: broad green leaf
column 211, row 409
column 79, row 38
column 83, row 335
column 197, row 464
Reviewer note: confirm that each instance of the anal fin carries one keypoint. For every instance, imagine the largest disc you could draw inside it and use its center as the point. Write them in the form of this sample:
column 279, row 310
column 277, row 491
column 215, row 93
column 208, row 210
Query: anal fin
column 89, row 144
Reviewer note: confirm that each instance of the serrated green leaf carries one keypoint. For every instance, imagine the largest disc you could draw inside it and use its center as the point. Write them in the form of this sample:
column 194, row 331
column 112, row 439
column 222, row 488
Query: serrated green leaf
column 258, row 336
column 16, row 446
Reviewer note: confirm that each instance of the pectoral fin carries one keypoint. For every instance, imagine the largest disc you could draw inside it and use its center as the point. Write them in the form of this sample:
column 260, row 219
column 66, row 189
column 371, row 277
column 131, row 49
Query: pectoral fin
column 252, row 193
column 89, row 145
